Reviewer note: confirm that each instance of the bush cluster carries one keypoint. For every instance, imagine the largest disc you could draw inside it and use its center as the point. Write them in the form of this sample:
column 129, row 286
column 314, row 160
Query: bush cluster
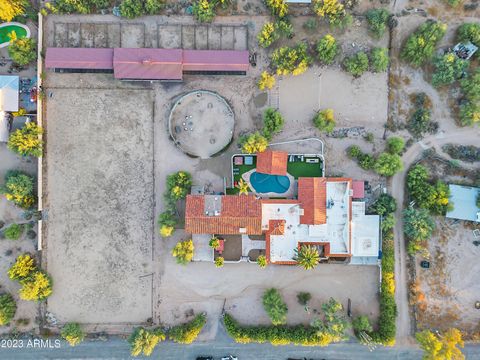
column 469, row 113
column 272, row 123
column 462, row 152
column 356, row 64
column 333, row 11
column 253, row 143
column 22, row 51
column 448, row 69
column 324, row 120
column 469, row 32
column 144, row 341
column 36, row 284
column 19, row 189
column 275, row 307
column 183, row 252
column 14, row 231
column 135, row 8
column 72, row 333
column 8, row 308
column 377, row 21
column 188, row 332
column 279, row 8
column 25, row 141
column 420, row 122
column 327, row 49
column 291, row 60
column 271, row 32
column 421, row 44
column 81, row 6
column 266, row 81
column 418, row 227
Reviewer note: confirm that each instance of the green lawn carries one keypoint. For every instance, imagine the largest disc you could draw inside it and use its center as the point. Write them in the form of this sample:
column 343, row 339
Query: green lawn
column 4, row 31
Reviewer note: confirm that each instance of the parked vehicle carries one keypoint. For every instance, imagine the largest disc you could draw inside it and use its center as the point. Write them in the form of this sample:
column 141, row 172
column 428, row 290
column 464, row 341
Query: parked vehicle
column 229, row 357
column 204, row 357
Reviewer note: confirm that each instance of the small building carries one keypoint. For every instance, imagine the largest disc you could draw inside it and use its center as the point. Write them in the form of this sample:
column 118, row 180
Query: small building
column 272, row 162
column 9, row 96
column 464, row 199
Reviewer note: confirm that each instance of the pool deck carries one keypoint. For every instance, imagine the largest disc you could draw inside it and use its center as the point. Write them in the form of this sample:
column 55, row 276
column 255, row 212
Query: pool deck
column 290, row 193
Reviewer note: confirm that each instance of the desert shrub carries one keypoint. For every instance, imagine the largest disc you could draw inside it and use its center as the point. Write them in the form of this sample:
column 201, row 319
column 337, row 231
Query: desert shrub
column 131, row 8
column 13, row 232
column 72, row 333
column 25, row 141
column 253, row 143
column 441, row 346
column 469, row 113
column 418, row 227
column 388, row 164
column 284, row 28
column 36, row 287
column 379, row 59
column 420, row 123
column 448, row 69
column 19, row 189
column 324, row 120
column 333, row 326
column 274, row 306
column 303, row 298
column 178, row 185
column 183, row 252
column 143, row 341
column 471, row 87
column 469, row 32
column 327, row 49
column 307, row 257
column 462, row 152
column 421, row 44
column 23, row 267
column 22, row 51
column 262, row 261
column 395, row 145
column 369, row 137
column 384, row 205
column 266, row 81
column 11, row 8
column 153, row 7
column 188, row 332
column 310, row 25
column 356, row 64
column 268, row 35
column 167, row 222
column 354, row 151
column 291, row 60
column 377, row 21
column 333, row 11
column 361, row 324
column 204, row 10
column 8, row 308
column 279, row 8
column 272, row 123
column 219, row 261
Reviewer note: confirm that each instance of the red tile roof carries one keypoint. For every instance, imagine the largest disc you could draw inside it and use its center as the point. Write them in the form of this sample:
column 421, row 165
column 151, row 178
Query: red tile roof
column 312, row 194
column 358, row 189
column 272, row 162
column 276, row 227
column 237, row 211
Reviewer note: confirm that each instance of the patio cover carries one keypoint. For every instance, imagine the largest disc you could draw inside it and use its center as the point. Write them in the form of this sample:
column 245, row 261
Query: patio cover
column 9, row 93
column 215, row 60
column 79, row 58
column 147, row 64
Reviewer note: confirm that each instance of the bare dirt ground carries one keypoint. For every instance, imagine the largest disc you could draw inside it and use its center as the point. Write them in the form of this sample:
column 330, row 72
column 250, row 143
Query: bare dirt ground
column 10, row 249
column 100, row 206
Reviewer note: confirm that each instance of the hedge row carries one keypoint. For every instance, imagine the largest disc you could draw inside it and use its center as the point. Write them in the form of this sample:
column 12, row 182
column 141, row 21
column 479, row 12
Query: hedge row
column 276, row 335
column 188, row 332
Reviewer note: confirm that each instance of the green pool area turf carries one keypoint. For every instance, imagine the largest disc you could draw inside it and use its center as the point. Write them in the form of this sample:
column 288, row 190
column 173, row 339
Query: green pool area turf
column 4, row 31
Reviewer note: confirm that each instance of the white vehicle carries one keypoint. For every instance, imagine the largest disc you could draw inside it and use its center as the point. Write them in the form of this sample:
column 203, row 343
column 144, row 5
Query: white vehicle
column 230, row 357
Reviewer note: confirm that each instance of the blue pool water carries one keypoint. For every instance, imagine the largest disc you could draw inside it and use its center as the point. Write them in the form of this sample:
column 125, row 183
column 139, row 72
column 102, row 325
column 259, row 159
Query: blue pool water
column 264, row 183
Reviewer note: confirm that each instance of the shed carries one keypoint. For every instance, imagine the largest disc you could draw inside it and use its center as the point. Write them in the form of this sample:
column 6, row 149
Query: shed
column 147, row 64
column 79, row 58
column 9, row 86
column 464, row 199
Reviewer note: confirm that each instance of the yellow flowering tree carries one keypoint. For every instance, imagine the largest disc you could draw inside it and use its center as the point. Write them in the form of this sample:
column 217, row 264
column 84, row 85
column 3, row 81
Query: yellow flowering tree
column 25, row 141
column 183, row 251
column 291, row 60
column 143, row 341
column 277, row 7
column 11, row 8
column 219, row 261
column 267, row 81
column 332, row 10
column 36, row 287
column 254, row 143
column 19, row 189
column 22, row 268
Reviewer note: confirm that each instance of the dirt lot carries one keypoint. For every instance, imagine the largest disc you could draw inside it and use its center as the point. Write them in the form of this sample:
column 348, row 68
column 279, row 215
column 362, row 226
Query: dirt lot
column 100, row 206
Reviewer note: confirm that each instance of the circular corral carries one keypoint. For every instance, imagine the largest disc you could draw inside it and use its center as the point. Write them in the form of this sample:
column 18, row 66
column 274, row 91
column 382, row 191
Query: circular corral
column 201, row 123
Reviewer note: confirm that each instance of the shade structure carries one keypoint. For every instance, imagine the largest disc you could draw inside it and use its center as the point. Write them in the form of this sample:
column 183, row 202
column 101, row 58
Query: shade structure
column 147, row 64
column 215, row 60
column 79, row 58
column 9, row 97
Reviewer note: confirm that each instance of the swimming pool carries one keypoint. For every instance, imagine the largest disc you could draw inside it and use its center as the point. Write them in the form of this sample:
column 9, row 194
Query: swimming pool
column 21, row 31
column 264, row 183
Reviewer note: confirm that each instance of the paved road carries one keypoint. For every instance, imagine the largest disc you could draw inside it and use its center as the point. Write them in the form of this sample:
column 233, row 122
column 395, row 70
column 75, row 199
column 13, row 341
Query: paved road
column 463, row 136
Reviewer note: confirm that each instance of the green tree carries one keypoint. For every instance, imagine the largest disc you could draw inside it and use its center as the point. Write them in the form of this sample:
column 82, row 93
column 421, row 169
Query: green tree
column 275, row 306
column 254, row 143
column 307, row 257
column 421, row 44
column 8, row 308
column 377, row 21
column 469, row 32
column 272, row 123
column 395, row 145
column 379, row 59
column 386, row 204
column 356, row 64
column 25, row 141
column 183, row 252
column 303, row 298
column 443, row 347
column 72, row 333
column 19, row 189
column 327, row 49
column 13, row 232
column 204, row 10
column 262, row 261
column 11, row 8
column 418, row 227
column 22, row 51
column 324, row 120
column 188, row 332
column 291, row 60
column 448, row 69
column 388, row 164
column 143, row 341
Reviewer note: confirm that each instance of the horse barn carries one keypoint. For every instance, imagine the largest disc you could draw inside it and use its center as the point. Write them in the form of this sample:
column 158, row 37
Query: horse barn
column 147, row 63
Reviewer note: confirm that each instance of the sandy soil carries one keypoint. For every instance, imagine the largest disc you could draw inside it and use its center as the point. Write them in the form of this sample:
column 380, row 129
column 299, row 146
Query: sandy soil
column 99, row 202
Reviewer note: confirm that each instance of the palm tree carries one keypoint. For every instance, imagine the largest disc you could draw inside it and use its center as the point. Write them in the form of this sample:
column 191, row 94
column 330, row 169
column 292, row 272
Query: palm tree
column 307, row 257
column 242, row 187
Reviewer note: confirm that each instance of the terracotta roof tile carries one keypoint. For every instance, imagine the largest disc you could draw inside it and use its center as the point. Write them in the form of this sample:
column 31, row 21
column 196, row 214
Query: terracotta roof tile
column 237, row 212
column 312, row 195
column 272, row 162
